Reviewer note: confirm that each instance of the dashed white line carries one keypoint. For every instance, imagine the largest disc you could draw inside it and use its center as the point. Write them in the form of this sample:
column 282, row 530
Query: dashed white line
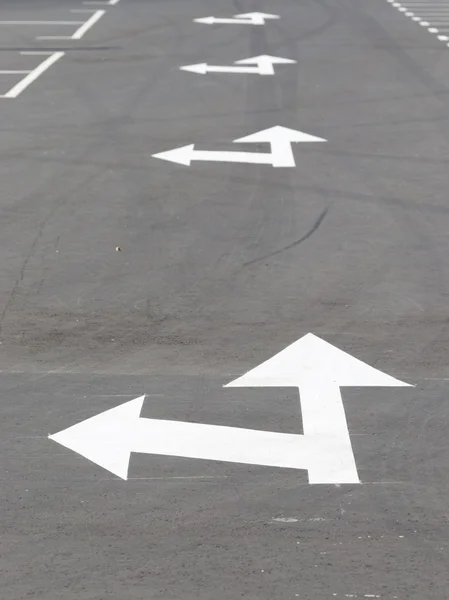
column 432, row 11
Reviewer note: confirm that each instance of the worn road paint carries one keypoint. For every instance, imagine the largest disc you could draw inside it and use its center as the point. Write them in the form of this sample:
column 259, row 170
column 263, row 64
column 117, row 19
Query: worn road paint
column 314, row 366
column 35, row 73
column 279, row 138
column 264, row 66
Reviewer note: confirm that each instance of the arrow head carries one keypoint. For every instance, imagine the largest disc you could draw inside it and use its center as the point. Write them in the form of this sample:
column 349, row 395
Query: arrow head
column 265, row 58
column 182, row 156
column 278, row 133
column 105, row 439
column 312, row 359
column 200, row 68
column 255, row 15
column 208, row 20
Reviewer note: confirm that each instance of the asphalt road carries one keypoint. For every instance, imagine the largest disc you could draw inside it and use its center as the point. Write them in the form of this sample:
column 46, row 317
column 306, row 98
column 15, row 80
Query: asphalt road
column 221, row 266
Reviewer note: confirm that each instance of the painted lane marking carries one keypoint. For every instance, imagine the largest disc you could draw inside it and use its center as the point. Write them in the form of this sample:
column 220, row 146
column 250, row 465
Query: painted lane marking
column 279, row 138
column 254, row 18
column 81, row 31
column 13, row 72
column 310, row 364
column 15, row 91
column 264, row 66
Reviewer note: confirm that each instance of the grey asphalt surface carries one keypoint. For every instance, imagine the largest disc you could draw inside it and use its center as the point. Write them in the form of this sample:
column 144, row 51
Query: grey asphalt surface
column 222, row 266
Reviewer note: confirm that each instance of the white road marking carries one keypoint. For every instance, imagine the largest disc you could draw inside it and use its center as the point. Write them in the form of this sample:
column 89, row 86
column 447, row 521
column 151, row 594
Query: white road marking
column 264, row 66
column 312, row 365
column 279, row 138
column 81, row 31
column 203, row 68
column 41, row 22
column 255, row 18
column 34, row 74
column 13, row 72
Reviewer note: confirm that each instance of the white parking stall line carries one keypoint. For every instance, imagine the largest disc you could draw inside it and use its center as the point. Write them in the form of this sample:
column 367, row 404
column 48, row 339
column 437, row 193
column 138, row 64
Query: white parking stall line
column 41, row 22
column 31, row 76
column 79, row 33
column 7, row 72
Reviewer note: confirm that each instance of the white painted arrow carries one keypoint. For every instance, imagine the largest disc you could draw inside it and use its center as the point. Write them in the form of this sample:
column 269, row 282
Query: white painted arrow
column 314, row 366
column 264, row 66
column 279, row 138
column 254, row 18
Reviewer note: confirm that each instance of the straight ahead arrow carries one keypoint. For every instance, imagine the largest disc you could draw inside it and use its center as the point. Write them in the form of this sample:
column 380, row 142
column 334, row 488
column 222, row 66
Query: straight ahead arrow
column 279, row 138
column 312, row 365
column 264, row 66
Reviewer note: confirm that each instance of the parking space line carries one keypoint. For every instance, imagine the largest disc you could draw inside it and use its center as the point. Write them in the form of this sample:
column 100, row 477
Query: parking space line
column 79, row 33
column 41, row 22
column 3, row 72
column 34, row 74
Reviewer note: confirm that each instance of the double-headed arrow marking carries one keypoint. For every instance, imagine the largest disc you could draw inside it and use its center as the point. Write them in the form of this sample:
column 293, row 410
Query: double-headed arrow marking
column 312, row 365
column 279, row 138
column 254, row 18
column 264, row 66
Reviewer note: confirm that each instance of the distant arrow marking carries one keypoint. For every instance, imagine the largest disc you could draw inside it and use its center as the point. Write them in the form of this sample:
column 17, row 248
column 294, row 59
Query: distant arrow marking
column 254, row 18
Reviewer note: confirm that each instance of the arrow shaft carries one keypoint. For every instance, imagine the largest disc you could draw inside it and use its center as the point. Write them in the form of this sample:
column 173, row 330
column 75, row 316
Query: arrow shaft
column 282, row 154
column 231, row 69
column 233, row 157
column 325, row 426
column 252, row 21
column 266, row 67
column 325, row 449
column 228, row 444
